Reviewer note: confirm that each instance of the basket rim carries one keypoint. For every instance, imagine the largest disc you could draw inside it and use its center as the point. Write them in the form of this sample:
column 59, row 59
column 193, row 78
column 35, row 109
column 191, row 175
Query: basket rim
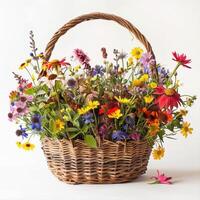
column 104, row 142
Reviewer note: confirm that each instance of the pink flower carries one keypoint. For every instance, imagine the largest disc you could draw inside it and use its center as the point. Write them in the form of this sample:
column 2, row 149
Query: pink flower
column 161, row 178
column 182, row 59
column 147, row 59
column 135, row 136
column 81, row 57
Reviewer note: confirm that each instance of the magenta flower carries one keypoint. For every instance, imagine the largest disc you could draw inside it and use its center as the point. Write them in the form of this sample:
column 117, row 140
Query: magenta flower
column 161, row 178
column 147, row 60
column 181, row 59
column 81, row 57
column 135, row 136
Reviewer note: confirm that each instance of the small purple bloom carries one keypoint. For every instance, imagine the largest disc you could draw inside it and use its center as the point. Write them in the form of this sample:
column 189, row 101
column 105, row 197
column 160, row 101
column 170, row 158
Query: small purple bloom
column 88, row 118
column 36, row 123
column 135, row 136
column 147, row 60
column 119, row 135
column 98, row 70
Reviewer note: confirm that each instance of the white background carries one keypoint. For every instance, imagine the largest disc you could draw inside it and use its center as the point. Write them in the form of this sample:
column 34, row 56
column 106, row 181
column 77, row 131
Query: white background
column 169, row 25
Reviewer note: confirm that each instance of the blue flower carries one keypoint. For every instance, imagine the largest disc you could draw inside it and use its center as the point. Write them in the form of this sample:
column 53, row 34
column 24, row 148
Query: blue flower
column 119, row 135
column 98, row 70
column 36, row 122
column 22, row 132
column 88, row 118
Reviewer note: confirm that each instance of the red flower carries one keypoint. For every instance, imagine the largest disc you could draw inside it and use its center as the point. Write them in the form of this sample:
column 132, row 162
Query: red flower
column 182, row 59
column 112, row 110
column 106, row 107
column 167, row 97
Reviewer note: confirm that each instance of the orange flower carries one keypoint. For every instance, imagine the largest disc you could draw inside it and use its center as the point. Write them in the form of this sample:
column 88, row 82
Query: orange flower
column 154, row 128
column 165, row 116
column 56, row 64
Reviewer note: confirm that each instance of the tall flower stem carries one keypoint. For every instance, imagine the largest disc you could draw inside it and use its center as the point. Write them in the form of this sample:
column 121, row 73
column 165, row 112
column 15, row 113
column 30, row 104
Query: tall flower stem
column 175, row 69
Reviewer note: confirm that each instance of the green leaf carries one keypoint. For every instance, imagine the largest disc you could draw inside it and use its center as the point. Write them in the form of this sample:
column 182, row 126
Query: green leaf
column 51, row 125
column 30, row 91
column 73, row 135
column 90, row 141
column 58, row 85
column 85, row 128
column 71, row 129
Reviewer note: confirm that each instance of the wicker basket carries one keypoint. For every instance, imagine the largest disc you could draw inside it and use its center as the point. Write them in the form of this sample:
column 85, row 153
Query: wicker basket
column 111, row 162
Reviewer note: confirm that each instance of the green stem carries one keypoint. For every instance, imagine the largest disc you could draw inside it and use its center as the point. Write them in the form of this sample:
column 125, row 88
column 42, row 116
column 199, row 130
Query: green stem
column 30, row 76
column 174, row 71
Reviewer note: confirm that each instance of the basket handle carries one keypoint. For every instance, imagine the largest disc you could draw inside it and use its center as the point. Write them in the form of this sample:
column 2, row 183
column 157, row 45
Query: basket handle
column 91, row 16
column 97, row 15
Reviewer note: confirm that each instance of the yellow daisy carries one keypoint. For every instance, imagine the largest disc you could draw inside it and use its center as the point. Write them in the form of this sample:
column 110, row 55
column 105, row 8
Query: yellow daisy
column 144, row 78
column 27, row 146
column 158, row 153
column 123, row 100
column 59, row 125
column 153, row 85
column 19, row 144
column 185, row 130
column 148, row 98
column 25, row 64
column 83, row 110
column 93, row 104
column 137, row 53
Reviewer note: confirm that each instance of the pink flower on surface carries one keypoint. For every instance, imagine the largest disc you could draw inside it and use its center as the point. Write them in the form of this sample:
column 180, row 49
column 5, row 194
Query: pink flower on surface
column 161, row 178
column 81, row 57
column 182, row 59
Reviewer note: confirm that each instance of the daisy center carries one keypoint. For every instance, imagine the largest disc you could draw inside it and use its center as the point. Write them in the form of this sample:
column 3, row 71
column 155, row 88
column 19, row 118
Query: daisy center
column 169, row 91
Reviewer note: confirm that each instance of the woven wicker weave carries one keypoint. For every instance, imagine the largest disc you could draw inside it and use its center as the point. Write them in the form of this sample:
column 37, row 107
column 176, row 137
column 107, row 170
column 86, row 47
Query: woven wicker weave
column 109, row 163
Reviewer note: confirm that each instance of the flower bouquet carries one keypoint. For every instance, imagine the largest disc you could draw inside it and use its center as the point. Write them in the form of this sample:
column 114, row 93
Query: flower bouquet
column 98, row 123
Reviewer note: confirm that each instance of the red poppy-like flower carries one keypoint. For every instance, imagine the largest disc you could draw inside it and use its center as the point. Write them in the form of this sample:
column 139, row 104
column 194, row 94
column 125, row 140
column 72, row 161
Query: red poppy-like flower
column 167, row 97
column 182, row 59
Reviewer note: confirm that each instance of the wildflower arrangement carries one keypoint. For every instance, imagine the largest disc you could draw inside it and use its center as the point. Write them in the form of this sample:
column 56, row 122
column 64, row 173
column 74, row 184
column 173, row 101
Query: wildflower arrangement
column 119, row 100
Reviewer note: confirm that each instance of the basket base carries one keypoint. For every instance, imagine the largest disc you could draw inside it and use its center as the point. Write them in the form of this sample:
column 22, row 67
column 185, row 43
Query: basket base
column 123, row 180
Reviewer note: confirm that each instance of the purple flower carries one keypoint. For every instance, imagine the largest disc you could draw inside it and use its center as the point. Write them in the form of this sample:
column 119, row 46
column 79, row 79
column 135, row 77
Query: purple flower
column 36, row 123
column 22, row 132
column 135, row 136
column 130, row 120
column 163, row 74
column 88, row 118
column 71, row 82
column 147, row 60
column 119, row 135
column 82, row 57
column 98, row 70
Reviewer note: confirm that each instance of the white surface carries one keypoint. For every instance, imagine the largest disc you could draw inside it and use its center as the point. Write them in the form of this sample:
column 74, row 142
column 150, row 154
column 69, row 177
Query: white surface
column 169, row 25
